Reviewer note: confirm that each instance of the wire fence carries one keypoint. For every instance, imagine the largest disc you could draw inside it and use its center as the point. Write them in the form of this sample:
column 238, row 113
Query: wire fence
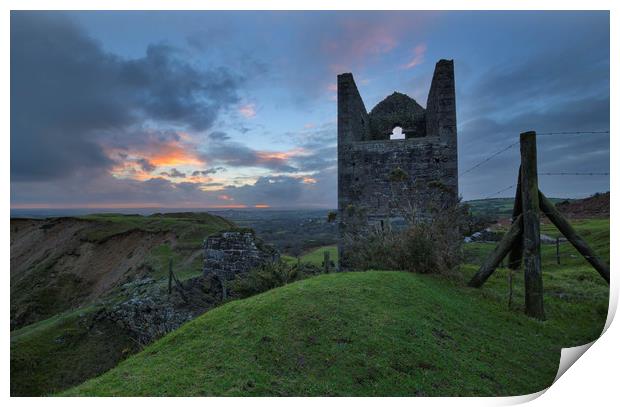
column 574, row 173
column 500, row 191
column 556, row 133
column 509, row 146
column 489, row 158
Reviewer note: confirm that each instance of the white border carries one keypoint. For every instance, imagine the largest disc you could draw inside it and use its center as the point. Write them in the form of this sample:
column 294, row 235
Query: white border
column 590, row 381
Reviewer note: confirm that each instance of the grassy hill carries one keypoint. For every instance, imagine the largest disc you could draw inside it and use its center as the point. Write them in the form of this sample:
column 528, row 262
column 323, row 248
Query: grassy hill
column 379, row 333
column 366, row 333
column 498, row 207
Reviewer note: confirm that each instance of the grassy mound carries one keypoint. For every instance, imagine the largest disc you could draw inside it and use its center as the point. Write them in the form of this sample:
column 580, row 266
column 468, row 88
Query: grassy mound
column 54, row 354
column 370, row 333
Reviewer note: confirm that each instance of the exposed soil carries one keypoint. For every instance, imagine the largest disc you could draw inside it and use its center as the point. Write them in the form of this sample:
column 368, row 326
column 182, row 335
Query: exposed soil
column 55, row 268
column 596, row 206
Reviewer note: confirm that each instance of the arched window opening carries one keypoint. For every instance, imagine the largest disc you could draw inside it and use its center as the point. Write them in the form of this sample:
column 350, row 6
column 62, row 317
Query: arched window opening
column 397, row 133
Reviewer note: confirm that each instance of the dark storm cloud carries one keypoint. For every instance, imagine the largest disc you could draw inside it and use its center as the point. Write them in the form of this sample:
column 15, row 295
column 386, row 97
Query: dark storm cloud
column 275, row 191
column 146, row 165
column 556, row 153
column 288, row 191
column 66, row 91
column 174, row 91
column 235, row 154
column 102, row 188
column 173, row 173
column 559, row 89
column 218, row 136
column 208, row 171
column 317, row 160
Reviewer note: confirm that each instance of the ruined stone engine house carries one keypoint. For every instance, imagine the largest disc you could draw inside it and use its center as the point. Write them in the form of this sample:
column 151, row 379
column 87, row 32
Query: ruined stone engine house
column 382, row 179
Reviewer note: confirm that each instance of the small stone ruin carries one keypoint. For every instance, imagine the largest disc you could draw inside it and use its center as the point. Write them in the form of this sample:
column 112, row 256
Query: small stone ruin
column 230, row 253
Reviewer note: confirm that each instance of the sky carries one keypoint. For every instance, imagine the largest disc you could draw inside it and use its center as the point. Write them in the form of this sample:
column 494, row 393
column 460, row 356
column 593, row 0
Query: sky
column 238, row 109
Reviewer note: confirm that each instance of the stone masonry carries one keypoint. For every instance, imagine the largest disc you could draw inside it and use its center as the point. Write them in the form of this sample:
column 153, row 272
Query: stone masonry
column 230, row 253
column 378, row 178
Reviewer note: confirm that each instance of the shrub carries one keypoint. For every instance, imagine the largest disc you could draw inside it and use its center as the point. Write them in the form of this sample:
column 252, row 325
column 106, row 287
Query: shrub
column 332, row 216
column 424, row 246
column 271, row 275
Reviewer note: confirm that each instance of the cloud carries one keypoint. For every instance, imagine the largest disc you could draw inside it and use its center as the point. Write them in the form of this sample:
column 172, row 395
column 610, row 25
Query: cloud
column 137, row 152
column 248, row 110
column 480, row 137
column 67, row 93
column 208, row 171
column 320, row 190
column 218, row 136
column 418, row 57
column 173, row 173
column 235, row 154
column 146, row 165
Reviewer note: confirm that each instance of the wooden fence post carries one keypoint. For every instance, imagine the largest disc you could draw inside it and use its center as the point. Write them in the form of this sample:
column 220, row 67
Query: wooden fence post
column 169, row 276
column 557, row 249
column 326, row 262
column 500, row 251
column 572, row 236
column 531, row 227
column 514, row 258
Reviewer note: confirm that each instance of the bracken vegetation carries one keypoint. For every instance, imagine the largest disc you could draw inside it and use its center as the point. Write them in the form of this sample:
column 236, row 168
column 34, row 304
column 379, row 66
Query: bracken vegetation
column 429, row 246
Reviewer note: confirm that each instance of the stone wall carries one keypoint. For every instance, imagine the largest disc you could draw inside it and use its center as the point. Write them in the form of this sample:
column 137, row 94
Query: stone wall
column 229, row 253
column 383, row 180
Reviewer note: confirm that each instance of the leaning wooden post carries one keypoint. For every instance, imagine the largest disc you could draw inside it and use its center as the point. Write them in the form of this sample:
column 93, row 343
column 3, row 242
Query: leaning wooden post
column 224, row 287
column 514, row 258
column 169, row 276
column 571, row 235
column 326, row 262
column 531, row 227
column 500, row 251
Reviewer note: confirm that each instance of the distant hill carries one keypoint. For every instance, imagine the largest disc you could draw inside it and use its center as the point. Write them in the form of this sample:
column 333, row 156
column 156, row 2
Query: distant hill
column 596, row 206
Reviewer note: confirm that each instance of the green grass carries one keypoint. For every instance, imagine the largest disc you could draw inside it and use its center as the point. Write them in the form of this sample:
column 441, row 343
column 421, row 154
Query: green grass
column 315, row 256
column 594, row 231
column 191, row 227
column 379, row 333
column 369, row 333
column 497, row 206
column 59, row 352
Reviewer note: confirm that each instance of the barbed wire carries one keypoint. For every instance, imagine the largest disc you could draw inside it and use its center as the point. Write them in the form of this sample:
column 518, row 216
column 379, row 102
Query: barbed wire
column 508, row 147
column 489, row 158
column 500, row 191
column 574, row 173
column 554, row 133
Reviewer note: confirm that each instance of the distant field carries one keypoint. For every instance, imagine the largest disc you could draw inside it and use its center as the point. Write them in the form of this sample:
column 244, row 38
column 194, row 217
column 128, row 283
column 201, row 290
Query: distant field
column 315, row 256
column 501, row 207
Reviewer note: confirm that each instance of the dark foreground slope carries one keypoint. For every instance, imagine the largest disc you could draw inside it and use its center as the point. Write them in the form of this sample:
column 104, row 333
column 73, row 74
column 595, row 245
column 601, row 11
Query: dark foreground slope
column 85, row 291
column 368, row 333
